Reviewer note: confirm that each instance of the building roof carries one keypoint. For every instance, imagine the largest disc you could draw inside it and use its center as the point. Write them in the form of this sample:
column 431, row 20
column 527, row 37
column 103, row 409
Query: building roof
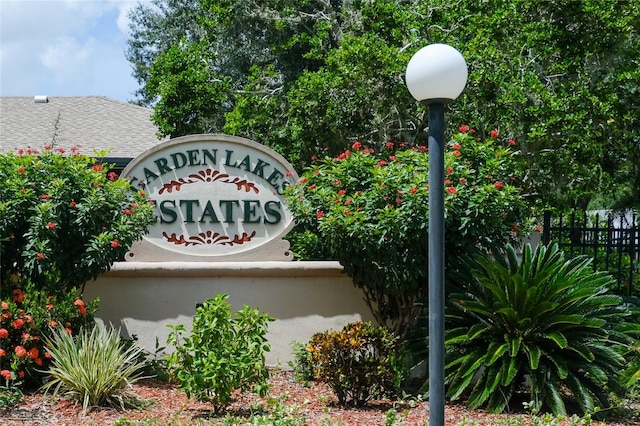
column 88, row 122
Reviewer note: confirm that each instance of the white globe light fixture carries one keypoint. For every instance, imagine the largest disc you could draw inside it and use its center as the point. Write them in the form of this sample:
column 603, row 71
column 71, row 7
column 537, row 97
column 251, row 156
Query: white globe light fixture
column 435, row 75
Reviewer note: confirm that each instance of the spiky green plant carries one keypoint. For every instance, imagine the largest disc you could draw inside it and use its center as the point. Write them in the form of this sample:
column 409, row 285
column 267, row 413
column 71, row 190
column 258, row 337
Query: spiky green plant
column 95, row 367
column 542, row 326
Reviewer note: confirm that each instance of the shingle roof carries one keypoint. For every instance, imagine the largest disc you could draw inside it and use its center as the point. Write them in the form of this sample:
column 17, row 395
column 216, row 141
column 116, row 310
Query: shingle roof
column 88, row 122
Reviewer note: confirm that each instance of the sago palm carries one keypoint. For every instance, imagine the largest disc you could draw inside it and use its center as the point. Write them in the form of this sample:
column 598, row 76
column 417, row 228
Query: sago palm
column 539, row 328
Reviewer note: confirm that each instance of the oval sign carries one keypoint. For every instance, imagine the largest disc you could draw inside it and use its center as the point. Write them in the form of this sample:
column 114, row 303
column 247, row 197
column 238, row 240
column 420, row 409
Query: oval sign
column 217, row 197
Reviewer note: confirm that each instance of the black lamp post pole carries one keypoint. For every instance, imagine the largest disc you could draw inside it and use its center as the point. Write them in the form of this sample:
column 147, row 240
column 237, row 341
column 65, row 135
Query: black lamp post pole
column 436, row 264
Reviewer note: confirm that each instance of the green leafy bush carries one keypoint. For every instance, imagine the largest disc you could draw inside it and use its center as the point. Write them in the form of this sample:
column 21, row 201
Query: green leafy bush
column 301, row 363
column 64, row 219
column 222, row 354
column 279, row 414
column 94, row 367
column 9, row 395
column 370, row 210
column 360, row 362
column 25, row 322
column 543, row 328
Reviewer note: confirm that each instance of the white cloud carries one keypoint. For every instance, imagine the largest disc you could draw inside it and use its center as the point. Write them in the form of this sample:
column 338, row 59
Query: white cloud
column 123, row 16
column 65, row 54
column 65, row 48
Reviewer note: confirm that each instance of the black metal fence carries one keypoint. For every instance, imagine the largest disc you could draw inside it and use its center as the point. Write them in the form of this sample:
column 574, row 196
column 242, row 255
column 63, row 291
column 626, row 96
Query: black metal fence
column 612, row 240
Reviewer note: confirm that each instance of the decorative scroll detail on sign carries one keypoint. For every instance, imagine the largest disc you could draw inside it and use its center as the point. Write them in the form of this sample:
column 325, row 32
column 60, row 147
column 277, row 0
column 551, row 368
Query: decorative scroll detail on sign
column 208, row 238
column 209, row 176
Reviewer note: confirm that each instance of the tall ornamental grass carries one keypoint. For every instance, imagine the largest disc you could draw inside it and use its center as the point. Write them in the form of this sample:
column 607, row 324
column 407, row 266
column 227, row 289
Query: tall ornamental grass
column 95, row 367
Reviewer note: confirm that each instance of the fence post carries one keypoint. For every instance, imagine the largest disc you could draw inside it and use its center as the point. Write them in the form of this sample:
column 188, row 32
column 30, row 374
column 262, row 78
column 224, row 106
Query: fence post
column 546, row 227
column 596, row 240
column 633, row 249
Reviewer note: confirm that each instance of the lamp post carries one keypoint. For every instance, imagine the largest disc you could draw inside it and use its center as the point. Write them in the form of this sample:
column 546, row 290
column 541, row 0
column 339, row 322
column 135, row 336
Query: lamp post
column 435, row 75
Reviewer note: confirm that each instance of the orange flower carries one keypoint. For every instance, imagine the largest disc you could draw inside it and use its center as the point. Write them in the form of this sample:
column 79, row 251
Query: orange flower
column 33, row 353
column 18, row 323
column 18, row 295
column 80, row 304
column 3, row 333
column 6, row 374
column 5, row 306
column 20, row 351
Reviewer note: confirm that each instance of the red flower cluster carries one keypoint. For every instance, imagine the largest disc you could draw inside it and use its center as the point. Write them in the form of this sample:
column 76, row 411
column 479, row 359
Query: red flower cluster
column 23, row 320
column 80, row 304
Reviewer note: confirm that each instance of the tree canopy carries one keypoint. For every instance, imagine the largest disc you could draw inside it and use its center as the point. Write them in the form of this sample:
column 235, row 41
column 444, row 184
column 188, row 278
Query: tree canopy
column 309, row 78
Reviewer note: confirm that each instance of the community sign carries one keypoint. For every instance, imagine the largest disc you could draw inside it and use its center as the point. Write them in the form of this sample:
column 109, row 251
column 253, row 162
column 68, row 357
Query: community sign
column 217, row 198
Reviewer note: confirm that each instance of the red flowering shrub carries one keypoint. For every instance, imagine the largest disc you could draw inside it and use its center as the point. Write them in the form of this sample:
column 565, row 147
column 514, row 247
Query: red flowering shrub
column 64, row 219
column 26, row 318
column 370, row 211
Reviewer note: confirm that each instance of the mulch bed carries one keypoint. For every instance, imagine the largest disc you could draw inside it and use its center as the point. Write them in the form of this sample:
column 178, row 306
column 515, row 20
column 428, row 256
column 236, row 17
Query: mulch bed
column 165, row 405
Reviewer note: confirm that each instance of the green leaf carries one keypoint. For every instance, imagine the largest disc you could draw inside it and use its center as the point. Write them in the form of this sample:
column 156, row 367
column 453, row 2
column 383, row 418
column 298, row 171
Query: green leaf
column 495, row 351
column 558, row 338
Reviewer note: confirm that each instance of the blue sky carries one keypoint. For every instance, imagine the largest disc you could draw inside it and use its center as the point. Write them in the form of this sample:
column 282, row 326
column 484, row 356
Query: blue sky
column 65, row 48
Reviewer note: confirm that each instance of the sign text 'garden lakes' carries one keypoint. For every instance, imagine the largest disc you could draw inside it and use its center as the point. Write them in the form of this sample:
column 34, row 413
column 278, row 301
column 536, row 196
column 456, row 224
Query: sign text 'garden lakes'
column 214, row 194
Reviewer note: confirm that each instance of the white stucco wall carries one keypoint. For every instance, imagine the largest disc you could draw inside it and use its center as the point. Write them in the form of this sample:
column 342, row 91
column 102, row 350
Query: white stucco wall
column 142, row 298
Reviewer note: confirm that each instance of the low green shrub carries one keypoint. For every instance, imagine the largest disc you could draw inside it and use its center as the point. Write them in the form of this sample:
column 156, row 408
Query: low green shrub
column 542, row 328
column 301, row 363
column 26, row 318
column 10, row 395
column 154, row 364
column 222, row 354
column 277, row 413
column 360, row 362
column 94, row 367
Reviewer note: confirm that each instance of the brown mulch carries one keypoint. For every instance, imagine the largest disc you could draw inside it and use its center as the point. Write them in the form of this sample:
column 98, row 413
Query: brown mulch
column 165, row 405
